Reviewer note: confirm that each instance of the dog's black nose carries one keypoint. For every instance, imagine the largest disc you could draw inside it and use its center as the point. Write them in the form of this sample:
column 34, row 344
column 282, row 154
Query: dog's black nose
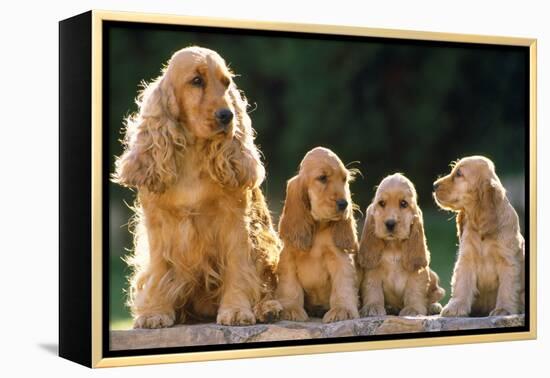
column 436, row 185
column 224, row 116
column 390, row 224
column 342, row 204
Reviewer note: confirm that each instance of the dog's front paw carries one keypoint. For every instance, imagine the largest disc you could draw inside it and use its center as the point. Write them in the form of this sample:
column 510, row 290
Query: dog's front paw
column 295, row 314
column 337, row 314
column 373, row 310
column 411, row 311
column 435, row 309
column 268, row 311
column 235, row 316
column 500, row 312
column 455, row 309
column 154, row 321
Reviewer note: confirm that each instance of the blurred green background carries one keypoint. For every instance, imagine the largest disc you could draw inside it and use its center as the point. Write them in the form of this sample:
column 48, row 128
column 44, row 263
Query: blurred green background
column 385, row 105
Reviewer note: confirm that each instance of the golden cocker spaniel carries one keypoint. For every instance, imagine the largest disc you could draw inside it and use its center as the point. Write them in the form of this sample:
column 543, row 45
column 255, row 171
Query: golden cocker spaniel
column 205, row 247
column 316, row 270
column 394, row 256
column 488, row 277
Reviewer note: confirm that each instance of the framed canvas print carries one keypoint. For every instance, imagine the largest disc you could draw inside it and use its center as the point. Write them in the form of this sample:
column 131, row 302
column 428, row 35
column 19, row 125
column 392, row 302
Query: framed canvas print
column 234, row 189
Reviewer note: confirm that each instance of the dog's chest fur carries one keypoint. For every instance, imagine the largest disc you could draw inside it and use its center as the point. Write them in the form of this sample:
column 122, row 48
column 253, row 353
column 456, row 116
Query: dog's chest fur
column 312, row 270
column 194, row 188
column 483, row 256
column 394, row 278
column 195, row 221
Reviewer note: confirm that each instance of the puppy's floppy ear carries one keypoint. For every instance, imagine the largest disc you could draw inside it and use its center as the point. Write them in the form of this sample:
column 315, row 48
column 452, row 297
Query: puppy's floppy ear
column 371, row 246
column 297, row 226
column 344, row 233
column 153, row 142
column 416, row 254
column 490, row 194
column 236, row 160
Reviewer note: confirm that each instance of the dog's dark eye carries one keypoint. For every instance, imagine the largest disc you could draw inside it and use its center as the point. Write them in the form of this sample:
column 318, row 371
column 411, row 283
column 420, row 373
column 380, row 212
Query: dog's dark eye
column 403, row 204
column 458, row 173
column 322, row 178
column 197, row 81
column 382, row 203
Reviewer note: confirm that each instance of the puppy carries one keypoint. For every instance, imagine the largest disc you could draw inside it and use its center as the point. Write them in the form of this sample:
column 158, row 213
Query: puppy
column 316, row 270
column 394, row 256
column 488, row 276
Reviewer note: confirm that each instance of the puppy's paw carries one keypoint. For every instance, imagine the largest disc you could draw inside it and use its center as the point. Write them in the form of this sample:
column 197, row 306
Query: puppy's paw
column 337, row 314
column 154, row 321
column 435, row 309
column 411, row 311
column 295, row 314
column 235, row 316
column 373, row 310
column 268, row 311
column 455, row 309
column 500, row 312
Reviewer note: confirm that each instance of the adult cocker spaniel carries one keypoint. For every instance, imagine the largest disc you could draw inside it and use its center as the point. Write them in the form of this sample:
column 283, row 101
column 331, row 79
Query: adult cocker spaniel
column 205, row 247
column 394, row 256
column 488, row 277
column 316, row 270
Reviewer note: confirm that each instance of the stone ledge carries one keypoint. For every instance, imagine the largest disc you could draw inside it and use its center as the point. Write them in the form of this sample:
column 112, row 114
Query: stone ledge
column 209, row 333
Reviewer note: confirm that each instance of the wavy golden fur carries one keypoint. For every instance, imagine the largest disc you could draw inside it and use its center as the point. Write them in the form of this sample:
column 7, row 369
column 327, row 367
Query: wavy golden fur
column 205, row 247
column 394, row 255
column 316, row 270
column 488, row 277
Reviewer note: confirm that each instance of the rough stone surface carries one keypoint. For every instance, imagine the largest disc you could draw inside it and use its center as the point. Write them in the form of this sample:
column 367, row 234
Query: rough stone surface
column 205, row 334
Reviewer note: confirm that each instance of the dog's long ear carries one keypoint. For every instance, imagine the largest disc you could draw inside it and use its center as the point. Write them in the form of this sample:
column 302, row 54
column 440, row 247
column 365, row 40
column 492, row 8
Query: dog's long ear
column 344, row 233
column 297, row 226
column 416, row 254
column 153, row 141
column 490, row 194
column 235, row 160
column 371, row 246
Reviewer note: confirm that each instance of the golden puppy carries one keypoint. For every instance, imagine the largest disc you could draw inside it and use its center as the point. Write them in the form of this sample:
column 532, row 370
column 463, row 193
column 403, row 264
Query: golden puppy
column 488, row 276
column 205, row 247
column 394, row 256
column 316, row 271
